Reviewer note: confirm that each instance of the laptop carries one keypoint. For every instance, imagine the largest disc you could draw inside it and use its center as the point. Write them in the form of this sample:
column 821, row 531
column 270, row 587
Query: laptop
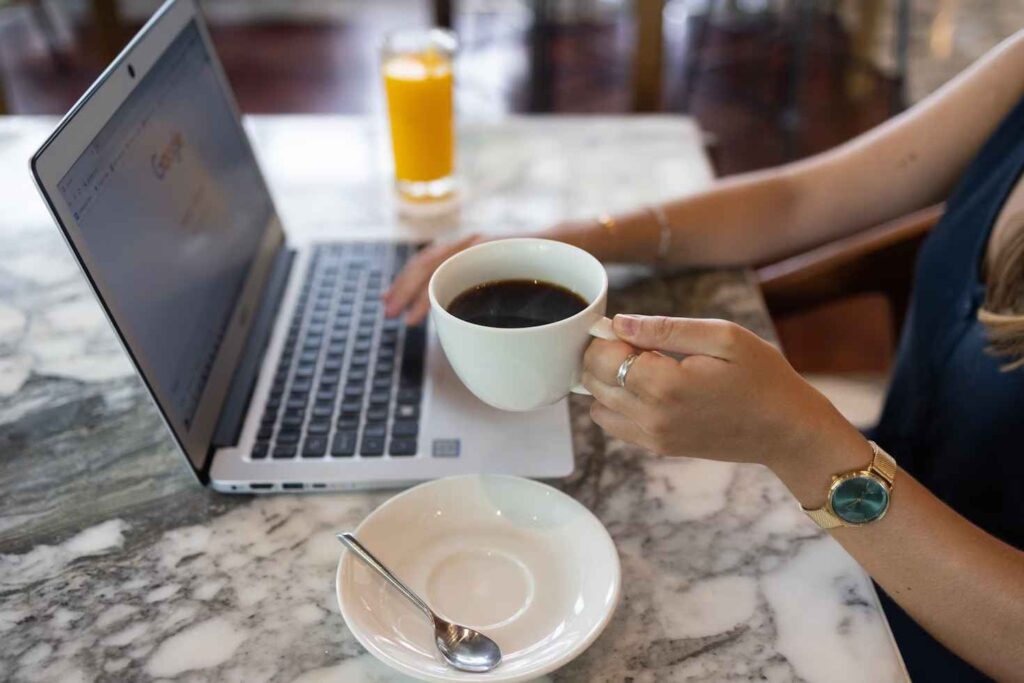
column 272, row 365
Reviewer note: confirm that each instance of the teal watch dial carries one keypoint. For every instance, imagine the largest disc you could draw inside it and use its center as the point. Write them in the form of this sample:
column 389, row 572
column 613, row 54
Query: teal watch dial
column 859, row 499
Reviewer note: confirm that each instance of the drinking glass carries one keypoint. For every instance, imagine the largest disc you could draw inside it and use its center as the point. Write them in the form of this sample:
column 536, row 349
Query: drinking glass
column 417, row 68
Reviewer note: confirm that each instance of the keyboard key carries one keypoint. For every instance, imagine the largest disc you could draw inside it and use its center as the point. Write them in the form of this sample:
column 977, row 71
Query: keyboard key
column 375, row 429
column 325, row 395
column 291, row 421
column 384, row 367
column 346, row 422
column 412, row 356
column 323, row 410
column 380, row 397
column 295, row 403
column 382, row 382
column 288, row 437
column 318, row 428
column 403, row 447
column 351, row 407
column 259, row 451
column 357, row 375
column 405, row 428
column 407, row 412
column 377, row 413
column 409, row 396
column 359, row 360
column 372, row 446
column 286, row 451
column 315, row 447
column 344, row 444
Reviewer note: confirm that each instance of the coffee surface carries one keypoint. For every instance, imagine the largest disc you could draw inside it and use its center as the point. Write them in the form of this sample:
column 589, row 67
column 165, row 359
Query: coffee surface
column 516, row 303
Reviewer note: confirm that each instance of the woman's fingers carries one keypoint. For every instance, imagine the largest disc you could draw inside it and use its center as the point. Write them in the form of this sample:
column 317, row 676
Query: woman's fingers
column 603, row 358
column 690, row 336
column 618, row 425
column 651, row 376
column 413, row 279
column 614, row 397
column 418, row 310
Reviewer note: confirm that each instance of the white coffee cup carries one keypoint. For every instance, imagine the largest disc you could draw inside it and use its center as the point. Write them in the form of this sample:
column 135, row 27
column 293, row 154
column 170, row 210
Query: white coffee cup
column 520, row 368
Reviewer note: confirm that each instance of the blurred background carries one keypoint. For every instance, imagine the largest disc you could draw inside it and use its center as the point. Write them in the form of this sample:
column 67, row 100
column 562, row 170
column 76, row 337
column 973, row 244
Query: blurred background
column 768, row 80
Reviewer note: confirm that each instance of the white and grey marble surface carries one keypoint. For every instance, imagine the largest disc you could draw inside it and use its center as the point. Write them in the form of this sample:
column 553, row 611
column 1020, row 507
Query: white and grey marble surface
column 115, row 565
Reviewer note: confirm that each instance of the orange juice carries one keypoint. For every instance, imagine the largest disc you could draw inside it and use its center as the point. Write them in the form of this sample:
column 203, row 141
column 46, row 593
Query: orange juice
column 419, row 93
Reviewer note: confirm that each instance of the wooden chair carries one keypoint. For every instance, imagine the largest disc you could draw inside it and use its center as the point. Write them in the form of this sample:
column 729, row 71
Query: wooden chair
column 879, row 260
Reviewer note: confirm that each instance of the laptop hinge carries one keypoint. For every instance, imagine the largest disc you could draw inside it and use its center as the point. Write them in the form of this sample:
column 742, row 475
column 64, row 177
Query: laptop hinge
column 236, row 404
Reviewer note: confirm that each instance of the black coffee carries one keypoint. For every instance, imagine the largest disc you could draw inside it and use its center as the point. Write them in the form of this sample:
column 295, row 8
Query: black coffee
column 516, row 303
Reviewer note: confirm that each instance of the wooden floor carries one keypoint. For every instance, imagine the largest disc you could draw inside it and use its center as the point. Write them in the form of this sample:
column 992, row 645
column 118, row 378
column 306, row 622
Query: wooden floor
column 738, row 82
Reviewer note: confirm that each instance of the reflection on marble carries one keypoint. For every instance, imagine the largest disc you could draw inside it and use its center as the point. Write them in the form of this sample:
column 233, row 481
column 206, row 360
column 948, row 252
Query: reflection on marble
column 114, row 565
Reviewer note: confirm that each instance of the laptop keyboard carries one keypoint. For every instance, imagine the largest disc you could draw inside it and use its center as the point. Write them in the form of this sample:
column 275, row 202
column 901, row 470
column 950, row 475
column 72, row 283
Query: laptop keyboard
column 349, row 382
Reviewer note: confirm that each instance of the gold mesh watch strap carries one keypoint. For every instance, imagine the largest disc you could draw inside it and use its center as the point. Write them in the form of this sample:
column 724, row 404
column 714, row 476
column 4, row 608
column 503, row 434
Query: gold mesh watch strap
column 823, row 517
column 882, row 465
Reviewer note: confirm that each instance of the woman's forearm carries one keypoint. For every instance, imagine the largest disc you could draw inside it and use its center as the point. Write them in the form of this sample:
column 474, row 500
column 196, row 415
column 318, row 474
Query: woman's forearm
column 735, row 222
column 964, row 586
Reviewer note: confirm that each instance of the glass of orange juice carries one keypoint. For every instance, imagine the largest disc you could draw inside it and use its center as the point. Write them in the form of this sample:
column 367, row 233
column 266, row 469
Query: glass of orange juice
column 417, row 69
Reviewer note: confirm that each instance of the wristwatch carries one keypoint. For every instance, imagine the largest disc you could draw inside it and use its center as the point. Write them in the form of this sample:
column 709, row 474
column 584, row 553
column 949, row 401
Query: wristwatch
column 858, row 497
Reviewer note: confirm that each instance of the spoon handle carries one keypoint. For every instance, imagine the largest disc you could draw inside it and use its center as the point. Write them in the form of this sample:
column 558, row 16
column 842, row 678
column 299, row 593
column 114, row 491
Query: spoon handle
column 350, row 542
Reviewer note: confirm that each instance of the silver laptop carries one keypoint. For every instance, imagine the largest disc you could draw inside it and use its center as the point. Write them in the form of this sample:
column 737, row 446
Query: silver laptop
column 274, row 368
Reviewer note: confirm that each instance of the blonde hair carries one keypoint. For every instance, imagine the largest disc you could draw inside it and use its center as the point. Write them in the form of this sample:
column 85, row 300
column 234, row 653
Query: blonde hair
column 1003, row 312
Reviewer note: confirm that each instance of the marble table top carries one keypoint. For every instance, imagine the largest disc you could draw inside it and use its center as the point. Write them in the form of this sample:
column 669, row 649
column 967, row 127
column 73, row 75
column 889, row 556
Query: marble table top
column 116, row 565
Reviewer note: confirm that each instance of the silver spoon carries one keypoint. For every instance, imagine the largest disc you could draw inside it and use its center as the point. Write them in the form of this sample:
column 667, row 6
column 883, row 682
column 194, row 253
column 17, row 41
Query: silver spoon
column 462, row 647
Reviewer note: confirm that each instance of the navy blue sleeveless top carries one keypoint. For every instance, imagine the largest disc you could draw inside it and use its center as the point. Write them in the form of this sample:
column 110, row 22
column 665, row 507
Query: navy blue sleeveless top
column 952, row 418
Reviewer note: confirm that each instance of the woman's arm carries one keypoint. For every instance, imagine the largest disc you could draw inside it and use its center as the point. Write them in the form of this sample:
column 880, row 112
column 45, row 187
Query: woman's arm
column 905, row 164
column 734, row 397
column 962, row 585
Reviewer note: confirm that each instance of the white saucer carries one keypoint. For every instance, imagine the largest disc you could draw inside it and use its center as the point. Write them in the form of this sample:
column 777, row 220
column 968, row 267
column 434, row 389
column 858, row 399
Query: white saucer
column 522, row 562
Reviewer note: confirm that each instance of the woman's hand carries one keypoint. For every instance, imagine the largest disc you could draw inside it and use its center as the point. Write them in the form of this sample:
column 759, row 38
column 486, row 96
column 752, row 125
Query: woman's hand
column 409, row 289
column 732, row 397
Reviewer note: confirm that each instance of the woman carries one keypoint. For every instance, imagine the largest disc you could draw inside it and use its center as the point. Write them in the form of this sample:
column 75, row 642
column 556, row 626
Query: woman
column 945, row 545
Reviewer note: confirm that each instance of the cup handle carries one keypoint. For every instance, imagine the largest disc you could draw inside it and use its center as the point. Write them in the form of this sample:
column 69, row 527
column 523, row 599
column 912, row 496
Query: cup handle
column 602, row 329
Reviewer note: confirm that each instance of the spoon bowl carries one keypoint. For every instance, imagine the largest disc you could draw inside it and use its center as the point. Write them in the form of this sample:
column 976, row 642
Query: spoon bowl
column 464, row 648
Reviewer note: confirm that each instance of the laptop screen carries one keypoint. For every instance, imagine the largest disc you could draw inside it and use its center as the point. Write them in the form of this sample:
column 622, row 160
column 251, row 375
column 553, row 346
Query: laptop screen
column 171, row 203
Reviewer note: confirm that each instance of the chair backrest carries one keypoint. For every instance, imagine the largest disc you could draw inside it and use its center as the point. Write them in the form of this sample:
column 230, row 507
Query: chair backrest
column 877, row 260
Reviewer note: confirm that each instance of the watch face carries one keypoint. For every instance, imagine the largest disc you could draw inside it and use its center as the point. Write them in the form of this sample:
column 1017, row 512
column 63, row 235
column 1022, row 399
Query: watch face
column 859, row 499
